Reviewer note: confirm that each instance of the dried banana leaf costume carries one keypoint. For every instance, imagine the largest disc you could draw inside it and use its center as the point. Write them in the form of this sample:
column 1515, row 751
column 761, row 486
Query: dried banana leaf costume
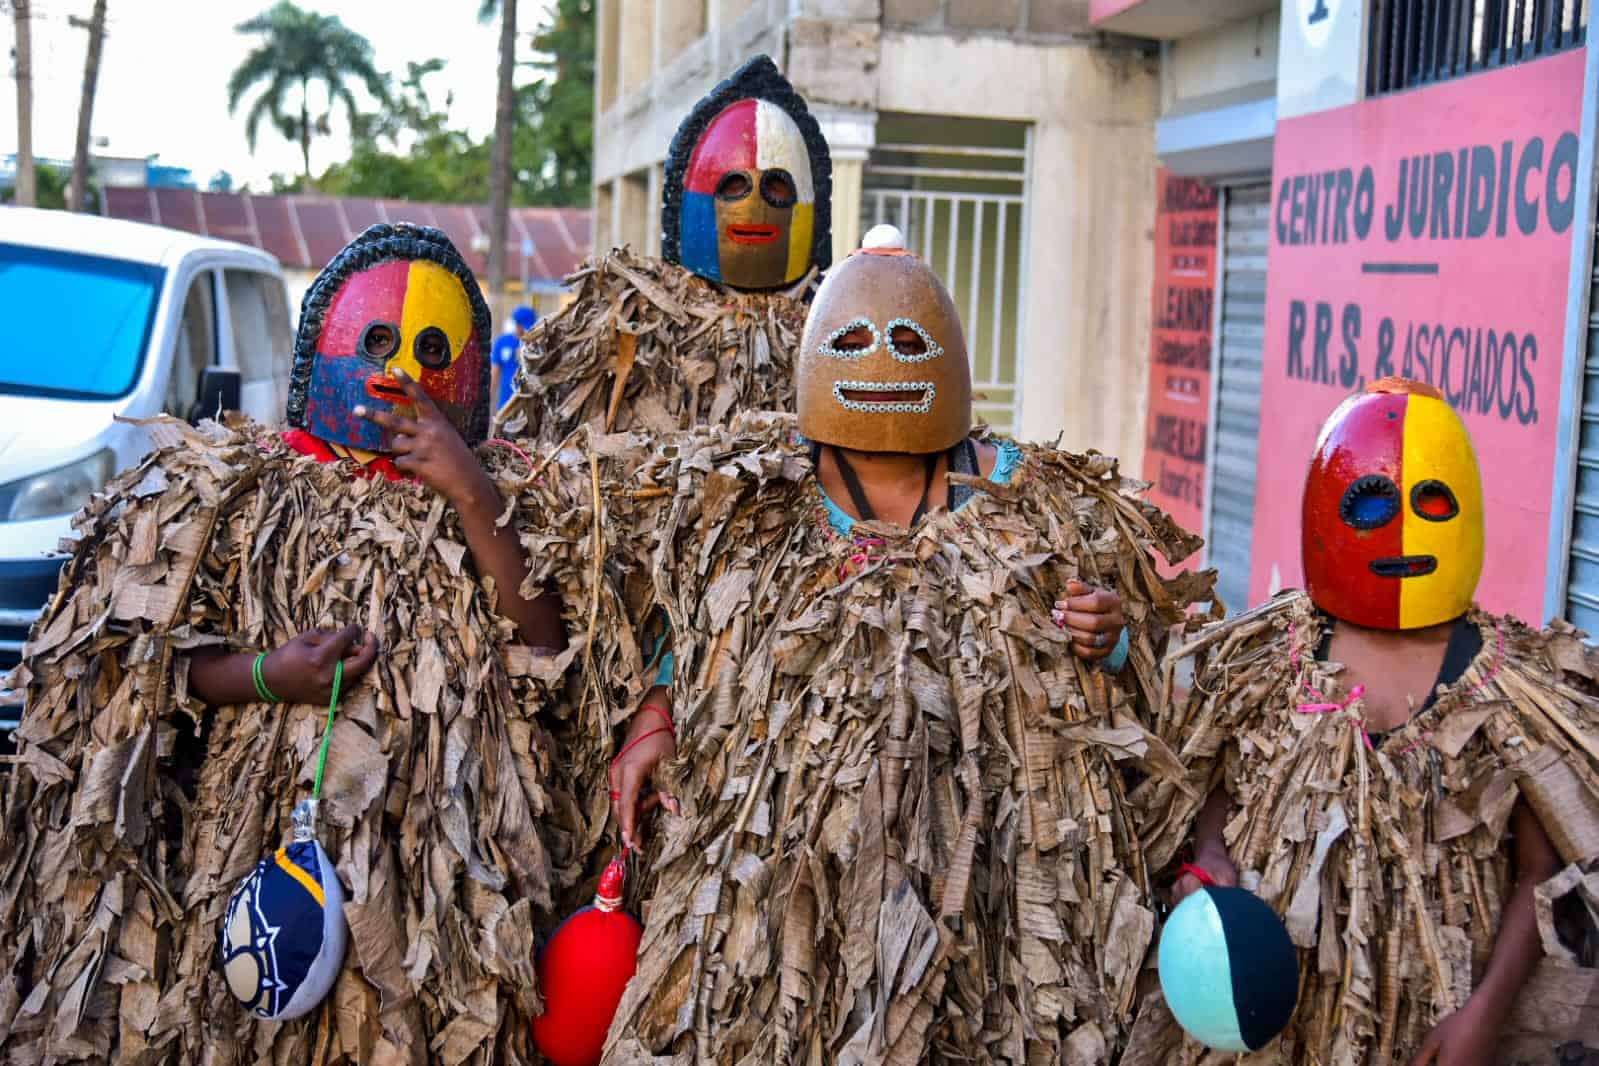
column 905, row 834
column 133, row 811
column 1385, row 853
column 711, row 327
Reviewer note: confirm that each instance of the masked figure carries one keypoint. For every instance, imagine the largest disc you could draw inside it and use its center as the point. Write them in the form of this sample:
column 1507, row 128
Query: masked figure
column 157, row 896
column 710, row 328
column 894, row 822
column 1393, row 522
column 1358, row 754
column 747, row 196
column 397, row 298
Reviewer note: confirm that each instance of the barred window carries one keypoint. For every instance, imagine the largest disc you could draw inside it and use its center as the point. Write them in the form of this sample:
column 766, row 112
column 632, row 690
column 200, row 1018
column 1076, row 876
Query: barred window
column 1418, row 42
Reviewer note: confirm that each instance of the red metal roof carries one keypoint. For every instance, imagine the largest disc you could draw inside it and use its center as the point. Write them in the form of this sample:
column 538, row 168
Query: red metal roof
column 304, row 232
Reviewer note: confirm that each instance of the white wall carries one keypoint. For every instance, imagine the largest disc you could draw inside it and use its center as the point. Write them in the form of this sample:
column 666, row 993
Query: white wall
column 1085, row 349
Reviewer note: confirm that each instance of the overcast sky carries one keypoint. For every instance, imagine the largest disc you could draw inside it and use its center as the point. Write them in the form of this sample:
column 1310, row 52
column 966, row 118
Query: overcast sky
column 165, row 68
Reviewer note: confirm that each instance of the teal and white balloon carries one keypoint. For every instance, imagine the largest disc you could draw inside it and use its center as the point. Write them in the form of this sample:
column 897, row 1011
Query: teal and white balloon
column 1229, row 972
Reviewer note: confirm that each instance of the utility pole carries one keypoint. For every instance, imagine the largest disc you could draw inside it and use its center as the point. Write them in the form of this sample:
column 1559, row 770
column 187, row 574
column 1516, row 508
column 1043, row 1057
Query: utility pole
column 79, row 189
column 26, row 193
column 500, row 163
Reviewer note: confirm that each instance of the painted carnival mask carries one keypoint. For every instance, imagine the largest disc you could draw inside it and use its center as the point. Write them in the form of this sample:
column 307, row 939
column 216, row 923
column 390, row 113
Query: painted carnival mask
column 748, row 185
column 882, row 365
column 397, row 297
column 1393, row 515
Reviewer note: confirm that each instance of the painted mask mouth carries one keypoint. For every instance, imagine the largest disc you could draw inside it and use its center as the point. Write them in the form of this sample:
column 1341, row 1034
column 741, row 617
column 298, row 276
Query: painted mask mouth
column 1404, row 566
column 905, row 397
column 382, row 387
column 741, row 234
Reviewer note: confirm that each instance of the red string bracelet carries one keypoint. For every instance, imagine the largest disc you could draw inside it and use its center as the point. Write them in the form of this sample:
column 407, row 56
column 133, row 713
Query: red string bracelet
column 1198, row 871
column 662, row 711
column 635, row 742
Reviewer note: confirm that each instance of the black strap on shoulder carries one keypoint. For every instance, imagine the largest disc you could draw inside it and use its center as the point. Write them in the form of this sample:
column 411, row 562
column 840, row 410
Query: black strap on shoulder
column 857, row 494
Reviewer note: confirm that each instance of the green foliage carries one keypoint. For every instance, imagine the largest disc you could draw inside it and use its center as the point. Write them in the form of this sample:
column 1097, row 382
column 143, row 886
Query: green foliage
column 407, row 149
column 555, row 162
column 301, row 47
column 49, row 187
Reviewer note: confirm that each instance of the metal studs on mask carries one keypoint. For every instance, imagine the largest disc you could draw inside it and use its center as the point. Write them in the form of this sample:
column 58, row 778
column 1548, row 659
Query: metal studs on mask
column 932, row 350
column 878, row 407
column 830, row 345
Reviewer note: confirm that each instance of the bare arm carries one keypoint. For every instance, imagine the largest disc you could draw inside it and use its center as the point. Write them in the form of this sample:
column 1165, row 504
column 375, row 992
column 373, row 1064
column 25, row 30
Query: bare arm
column 649, row 740
column 428, row 448
column 1517, row 947
column 1467, row 1037
column 1210, row 846
column 497, row 553
column 301, row 671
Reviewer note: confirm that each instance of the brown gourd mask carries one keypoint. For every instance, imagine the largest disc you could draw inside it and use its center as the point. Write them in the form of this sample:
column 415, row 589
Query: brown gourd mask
column 882, row 365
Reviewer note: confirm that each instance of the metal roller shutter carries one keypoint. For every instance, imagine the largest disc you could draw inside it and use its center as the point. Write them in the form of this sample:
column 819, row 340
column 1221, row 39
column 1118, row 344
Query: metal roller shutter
column 1236, row 423
column 1582, row 580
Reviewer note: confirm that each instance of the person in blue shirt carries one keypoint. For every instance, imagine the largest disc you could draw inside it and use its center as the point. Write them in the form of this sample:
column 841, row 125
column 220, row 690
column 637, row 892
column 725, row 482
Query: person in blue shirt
column 506, row 347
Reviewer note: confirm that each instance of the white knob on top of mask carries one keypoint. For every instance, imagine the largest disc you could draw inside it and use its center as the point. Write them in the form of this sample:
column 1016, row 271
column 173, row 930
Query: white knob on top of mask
column 883, row 235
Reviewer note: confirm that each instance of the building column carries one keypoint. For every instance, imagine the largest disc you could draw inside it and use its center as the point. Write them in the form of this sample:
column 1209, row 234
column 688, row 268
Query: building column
column 850, row 135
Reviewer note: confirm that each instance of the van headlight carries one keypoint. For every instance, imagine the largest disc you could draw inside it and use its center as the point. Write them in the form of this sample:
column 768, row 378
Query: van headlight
column 63, row 490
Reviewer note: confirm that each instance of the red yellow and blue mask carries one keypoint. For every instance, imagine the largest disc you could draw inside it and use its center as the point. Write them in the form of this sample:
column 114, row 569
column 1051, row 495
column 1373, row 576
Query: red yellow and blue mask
column 398, row 297
column 1393, row 516
column 748, row 185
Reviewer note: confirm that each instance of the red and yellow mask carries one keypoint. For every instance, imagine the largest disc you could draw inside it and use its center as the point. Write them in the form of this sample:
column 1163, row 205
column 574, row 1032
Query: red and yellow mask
column 747, row 185
column 398, row 297
column 882, row 364
column 1393, row 515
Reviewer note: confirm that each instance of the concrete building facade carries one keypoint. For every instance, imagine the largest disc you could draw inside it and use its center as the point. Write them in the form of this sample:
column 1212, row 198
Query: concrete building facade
column 1009, row 140
column 1374, row 188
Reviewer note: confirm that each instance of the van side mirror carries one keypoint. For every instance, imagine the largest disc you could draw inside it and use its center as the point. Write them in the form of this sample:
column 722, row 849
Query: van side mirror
column 219, row 391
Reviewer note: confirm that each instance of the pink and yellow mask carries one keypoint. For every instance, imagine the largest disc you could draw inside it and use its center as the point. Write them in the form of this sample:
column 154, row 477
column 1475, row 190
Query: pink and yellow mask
column 399, row 297
column 1393, row 515
column 747, row 185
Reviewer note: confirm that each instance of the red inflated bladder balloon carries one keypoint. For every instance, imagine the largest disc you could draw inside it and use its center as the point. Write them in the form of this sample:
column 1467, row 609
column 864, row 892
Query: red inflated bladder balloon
column 583, row 972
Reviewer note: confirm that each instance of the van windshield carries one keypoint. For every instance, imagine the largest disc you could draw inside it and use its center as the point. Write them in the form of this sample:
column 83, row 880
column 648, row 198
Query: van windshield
column 77, row 324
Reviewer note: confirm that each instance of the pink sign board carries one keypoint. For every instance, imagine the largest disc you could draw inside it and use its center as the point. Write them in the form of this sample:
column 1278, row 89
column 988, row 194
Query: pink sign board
column 1099, row 10
column 1180, row 343
column 1426, row 234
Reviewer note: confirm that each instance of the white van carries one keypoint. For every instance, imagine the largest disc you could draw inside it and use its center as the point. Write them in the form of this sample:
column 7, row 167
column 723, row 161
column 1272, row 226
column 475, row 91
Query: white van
column 108, row 318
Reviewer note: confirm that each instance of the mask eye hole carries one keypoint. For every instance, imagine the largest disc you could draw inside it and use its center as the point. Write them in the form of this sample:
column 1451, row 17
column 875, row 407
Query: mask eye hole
column 379, row 340
column 432, row 348
column 777, row 188
column 910, row 343
column 1433, row 501
column 852, row 340
column 735, row 185
column 907, row 341
column 1370, row 503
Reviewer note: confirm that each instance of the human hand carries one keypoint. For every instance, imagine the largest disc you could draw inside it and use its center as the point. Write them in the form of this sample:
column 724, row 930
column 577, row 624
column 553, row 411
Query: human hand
column 1093, row 618
column 1214, row 860
column 1464, row 1038
column 427, row 446
column 301, row 671
column 649, row 740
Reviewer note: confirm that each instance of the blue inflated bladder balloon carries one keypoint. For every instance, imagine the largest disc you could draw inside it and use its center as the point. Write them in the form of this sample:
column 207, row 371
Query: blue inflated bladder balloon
column 1228, row 970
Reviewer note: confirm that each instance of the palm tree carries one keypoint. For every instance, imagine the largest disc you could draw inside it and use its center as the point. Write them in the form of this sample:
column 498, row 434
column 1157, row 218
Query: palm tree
column 301, row 47
column 500, row 162
column 27, row 189
column 79, row 188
